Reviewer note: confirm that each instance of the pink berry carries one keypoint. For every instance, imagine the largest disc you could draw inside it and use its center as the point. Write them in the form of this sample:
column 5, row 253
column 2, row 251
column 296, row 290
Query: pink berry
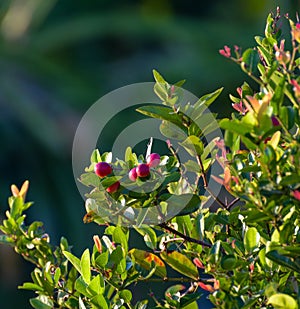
column 143, row 170
column 133, row 174
column 153, row 159
column 102, row 169
column 113, row 188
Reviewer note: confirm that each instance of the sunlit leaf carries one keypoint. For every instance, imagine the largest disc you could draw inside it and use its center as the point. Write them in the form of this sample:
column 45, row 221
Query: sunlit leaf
column 163, row 113
column 283, row 260
column 42, row 302
column 181, row 263
column 85, row 266
column 146, row 259
column 193, row 145
column 75, row 261
column 282, row 301
column 251, row 239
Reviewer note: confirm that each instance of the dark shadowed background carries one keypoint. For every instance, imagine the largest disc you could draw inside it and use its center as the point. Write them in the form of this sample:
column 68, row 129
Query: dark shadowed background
column 58, row 57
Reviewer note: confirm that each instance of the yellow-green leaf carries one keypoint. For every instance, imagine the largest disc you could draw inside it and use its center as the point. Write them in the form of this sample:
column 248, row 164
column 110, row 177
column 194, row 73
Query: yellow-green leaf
column 180, row 263
column 275, row 139
column 251, row 239
column 146, row 259
column 282, row 301
column 85, row 265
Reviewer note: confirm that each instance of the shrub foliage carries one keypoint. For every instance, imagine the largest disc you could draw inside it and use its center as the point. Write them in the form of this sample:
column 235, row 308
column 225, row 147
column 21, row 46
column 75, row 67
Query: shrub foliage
column 246, row 254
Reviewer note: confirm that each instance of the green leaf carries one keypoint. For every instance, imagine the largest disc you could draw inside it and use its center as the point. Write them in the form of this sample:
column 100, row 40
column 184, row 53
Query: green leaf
column 250, row 60
column 192, row 205
column 149, row 235
column 193, row 145
column 57, row 275
column 185, row 225
column 158, row 78
column 99, row 302
column 193, row 305
column 251, row 239
column 85, row 265
column 183, row 204
column 206, row 100
column 126, row 295
column 161, row 91
column 120, row 237
column 278, row 96
column 96, row 285
column 214, row 253
column 90, row 179
column 73, row 260
column 31, row 286
column 174, row 289
column 164, row 113
column 102, row 259
column 6, row 240
column 287, row 116
column 283, row 260
column 192, row 166
column 232, row 140
column 180, row 83
column 188, row 301
column 170, row 130
column 228, row 262
column 181, row 263
column 118, row 260
column 236, row 126
column 16, row 207
column 130, row 158
column 282, row 301
column 146, row 260
column 265, row 54
column 81, row 286
column 95, row 156
column 41, row 302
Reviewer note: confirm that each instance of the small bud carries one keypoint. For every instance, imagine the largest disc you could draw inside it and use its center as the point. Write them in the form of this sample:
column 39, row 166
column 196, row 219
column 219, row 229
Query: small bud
column 296, row 32
column 296, row 88
column 206, row 287
column 97, row 242
column 198, row 263
column 226, row 52
column 296, row 194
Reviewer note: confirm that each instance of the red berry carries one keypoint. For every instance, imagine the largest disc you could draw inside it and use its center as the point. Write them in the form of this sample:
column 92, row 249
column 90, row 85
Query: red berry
column 133, row 174
column 102, row 169
column 113, row 188
column 275, row 121
column 153, row 159
column 143, row 170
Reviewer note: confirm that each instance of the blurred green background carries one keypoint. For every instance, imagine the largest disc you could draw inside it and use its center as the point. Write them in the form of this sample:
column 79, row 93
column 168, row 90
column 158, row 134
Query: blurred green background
column 58, row 57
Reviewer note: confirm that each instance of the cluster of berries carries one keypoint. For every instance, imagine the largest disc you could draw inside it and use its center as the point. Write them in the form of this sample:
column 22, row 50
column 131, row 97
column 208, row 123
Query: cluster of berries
column 103, row 169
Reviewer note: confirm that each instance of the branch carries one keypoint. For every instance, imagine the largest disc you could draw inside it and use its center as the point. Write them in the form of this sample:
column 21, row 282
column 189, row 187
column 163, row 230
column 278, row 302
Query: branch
column 232, row 203
column 205, row 183
column 185, row 237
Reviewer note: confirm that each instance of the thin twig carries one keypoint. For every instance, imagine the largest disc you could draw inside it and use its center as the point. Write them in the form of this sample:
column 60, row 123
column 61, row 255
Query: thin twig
column 205, row 183
column 232, row 203
column 202, row 170
column 185, row 237
column 166, row 279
